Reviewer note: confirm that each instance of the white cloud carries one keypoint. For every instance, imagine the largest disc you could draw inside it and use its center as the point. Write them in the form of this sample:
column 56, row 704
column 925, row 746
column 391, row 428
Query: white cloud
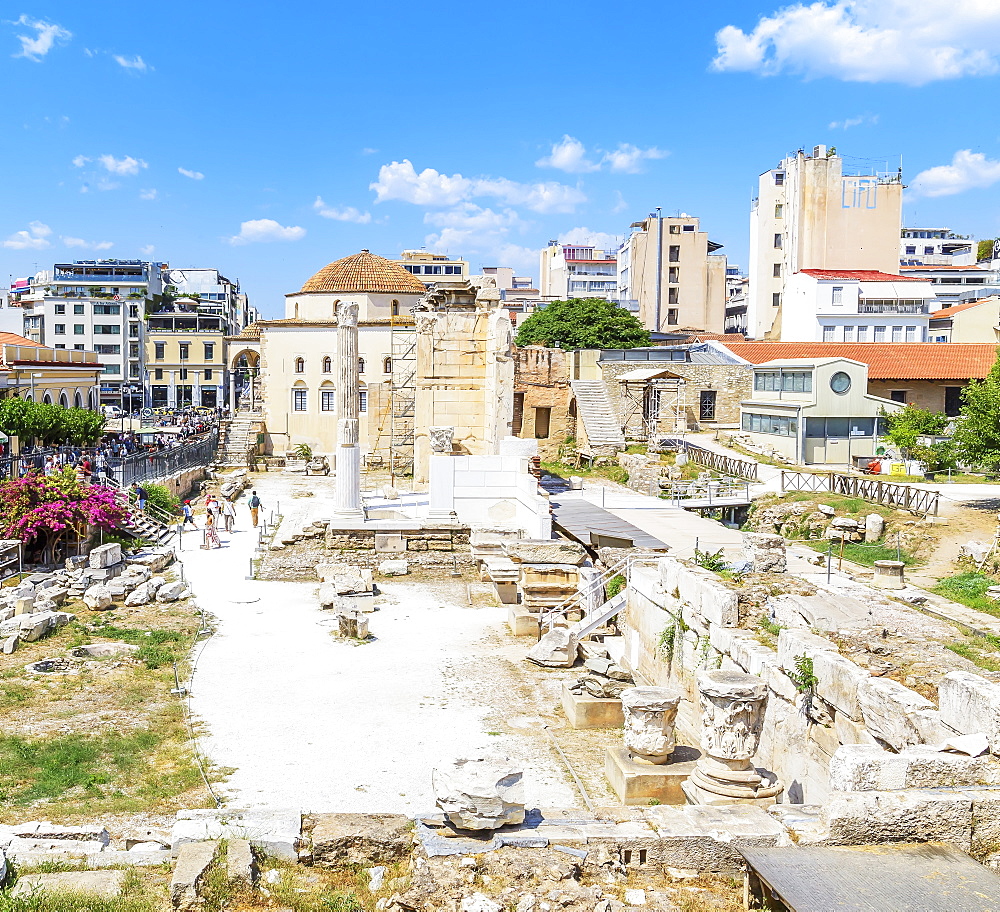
column 132, row 63
column 470, row 229
column 569, row 155
column 400, row 181
column 627, row 159
column 47, row 36
column 584, row 236
column 32, row 239
column 148, row 250
column 849, row 122
column 264, row 230
column 368, row 150
column 620, row 204
column 868, row 41
column 88, row 245
column 126, row 166
column 194, row 175
column 347, row 214
column 80, row 161
column 968, row 170
column 149, row 194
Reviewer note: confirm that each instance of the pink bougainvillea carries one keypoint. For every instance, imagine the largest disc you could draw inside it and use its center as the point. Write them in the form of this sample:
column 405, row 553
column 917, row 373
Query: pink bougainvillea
column 40, row 507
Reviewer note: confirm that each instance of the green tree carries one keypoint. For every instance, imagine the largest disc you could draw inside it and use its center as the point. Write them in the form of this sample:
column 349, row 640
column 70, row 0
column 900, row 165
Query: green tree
column 582, row 323
column 906, row 427
column 82, row 426
column 977, row 437
column 985, row 250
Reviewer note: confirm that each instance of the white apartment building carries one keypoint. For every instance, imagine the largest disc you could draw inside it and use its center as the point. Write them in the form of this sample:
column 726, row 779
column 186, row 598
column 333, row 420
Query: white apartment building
column 99, row 306
column 828, row 305
column 669, row 273
column 577, row 271
column 433, row 267
column 936, row 247
column 958, row 284
column 215, row 294
column 815, row 212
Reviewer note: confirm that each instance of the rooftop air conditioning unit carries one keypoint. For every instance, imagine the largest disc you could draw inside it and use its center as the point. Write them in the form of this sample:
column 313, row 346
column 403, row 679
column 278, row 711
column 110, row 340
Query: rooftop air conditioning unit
column 819, row 151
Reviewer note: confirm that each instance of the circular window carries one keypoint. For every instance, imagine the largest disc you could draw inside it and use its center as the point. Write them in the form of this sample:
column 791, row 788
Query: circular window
column 840, row 382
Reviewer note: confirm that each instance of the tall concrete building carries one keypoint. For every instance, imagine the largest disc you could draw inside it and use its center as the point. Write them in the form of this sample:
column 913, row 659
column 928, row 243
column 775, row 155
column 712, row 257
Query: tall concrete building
column 812, row 213
column 577, row 271
column 671, row 276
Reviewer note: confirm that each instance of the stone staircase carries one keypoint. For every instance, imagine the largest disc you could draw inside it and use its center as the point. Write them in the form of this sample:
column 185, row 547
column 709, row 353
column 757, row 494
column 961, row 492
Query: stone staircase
column 147, row 526
column 235, row 437
column 604, row 433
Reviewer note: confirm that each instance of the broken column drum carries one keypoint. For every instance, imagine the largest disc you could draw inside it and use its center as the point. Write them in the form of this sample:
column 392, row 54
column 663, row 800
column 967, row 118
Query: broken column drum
column 732, row 715
column 650, row 714
column 348, row 481
column 442, row 439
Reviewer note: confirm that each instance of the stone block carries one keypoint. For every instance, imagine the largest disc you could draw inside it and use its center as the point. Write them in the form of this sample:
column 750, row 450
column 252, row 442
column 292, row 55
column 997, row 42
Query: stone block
column 794, row 642
column 154, row 559
column 838, row 682
column 985, row 838
column 556, row 649
column 545, row 551
column 193, row 862
column 635, row 782
column 360, row 839
column 171, row 592
column 857, row 768
column 103, row 650
column 275, row 831
column 971, row 705
column 394, row 567
column 105, row 556
column 888, row 708
column 480, row 793
column 106, row 884
column 98, row 598
column 748, row 652
column 586, row 712
column 241, row 863
column 521, row 621
column 912, row 815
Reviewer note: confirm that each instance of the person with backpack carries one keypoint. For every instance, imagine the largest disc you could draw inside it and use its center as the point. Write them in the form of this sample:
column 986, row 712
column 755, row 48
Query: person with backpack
column 254, row 504
column 188, row 514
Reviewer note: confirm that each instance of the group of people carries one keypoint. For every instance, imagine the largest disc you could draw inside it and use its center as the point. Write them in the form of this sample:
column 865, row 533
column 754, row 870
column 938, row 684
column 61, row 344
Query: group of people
column 219, row 512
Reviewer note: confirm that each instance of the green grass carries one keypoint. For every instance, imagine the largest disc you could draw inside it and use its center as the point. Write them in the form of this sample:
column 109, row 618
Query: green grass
column 863, row 554
column 112, row 769
column 75, row 902
column 153, row 650
column 613, row 473
column 14, row 694
column 969, row 589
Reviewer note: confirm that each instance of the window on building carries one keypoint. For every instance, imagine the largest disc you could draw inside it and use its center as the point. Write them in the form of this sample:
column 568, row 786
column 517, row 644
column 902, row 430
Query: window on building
column 543, row 421
column 362, row 401
column 779, row 178
column 208, row 373
column 209, row 351
column 58, row 345
column 782, row 381
column 672, row 316
column 300, row 366
column 327, row 401
column 78, row 329
column 837, row 294
column 776, row 271
column 361, row 365
column 673, row 229
column 674, row 253
column 133, row 330
column 158, row 373
column 78, row 308
column 776, row 299
column 673, row 295
column 108, row 310
column 829, row 333
column 777, row 242
column 928, row 251
column 673, row 274
column 299, row 400
column 159, row 350
column 518, row 422
column 107, row 329
column 897, row 395
column 78, row 348
column 395, row 308
column 387, row 365
column 184, row 373
column 848, row 333
column 779, row 210
column 911, row 250
column 879, row 332
column 327, row 364
column 133, row 370
column 60, row 309
column 862, row 333
column 112, row 369
column 133, row 310
column 911, row 333
column 59, row 329
column 897, row 334
column 780, row 425
column 952, row 401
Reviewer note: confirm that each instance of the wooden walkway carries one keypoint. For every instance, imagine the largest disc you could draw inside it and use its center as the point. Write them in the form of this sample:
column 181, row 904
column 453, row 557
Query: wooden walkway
column 578, row 519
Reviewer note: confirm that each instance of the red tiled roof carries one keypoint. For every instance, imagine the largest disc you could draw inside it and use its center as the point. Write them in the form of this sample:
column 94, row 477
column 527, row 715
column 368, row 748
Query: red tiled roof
column 947, row 312
column 892, row 361
column 861, row 275
column 364, row 273
column 14, row 339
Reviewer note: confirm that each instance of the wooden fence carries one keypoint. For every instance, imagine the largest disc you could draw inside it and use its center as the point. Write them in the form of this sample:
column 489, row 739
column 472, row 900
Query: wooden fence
column 718, row 462
column 873, row 490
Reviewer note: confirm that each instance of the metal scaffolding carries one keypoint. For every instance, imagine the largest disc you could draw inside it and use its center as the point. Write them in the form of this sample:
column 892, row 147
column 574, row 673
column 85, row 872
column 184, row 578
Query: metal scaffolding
column 402, row 395
column 651, row 402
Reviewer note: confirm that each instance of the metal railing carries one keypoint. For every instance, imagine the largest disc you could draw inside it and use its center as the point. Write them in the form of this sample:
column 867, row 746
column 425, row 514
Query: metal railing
column 161, row 463
column 722, row 491
column 886, row 493
column 718, row 462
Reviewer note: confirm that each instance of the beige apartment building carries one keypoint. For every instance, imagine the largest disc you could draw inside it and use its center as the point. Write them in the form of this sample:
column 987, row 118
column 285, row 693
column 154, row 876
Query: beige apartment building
column 433, row 267
column 812, row 213
column 185, row 358
column 670, row 275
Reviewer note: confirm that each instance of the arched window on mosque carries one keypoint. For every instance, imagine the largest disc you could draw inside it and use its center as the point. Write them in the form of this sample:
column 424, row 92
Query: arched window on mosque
column 300, row 366
column 327, row 365
column 361, row 365
column 387, row 365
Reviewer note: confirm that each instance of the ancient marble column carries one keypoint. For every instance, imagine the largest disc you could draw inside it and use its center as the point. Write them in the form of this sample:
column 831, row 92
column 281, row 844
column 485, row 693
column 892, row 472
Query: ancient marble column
column 348, row 483
column 732, row 715
column 650, row 714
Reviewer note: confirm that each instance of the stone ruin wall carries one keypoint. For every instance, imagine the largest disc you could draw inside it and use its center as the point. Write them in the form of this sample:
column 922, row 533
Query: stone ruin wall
column 542, row 378
column 863, row 750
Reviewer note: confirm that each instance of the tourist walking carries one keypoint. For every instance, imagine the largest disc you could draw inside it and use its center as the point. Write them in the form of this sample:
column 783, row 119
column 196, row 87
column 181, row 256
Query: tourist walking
column 254, row 504
column 188, row 514
column 229, row 514
column 211, row 533
column 140, row 495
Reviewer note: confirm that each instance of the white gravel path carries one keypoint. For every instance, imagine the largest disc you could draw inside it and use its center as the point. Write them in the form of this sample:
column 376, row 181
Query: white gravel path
column 309, row 722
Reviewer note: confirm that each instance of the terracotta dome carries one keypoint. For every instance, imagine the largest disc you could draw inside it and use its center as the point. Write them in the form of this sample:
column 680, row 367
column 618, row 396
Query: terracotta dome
column 365, row 273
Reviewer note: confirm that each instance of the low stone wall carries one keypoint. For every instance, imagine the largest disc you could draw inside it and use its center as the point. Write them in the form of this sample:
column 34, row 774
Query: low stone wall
column 181, row 483
column 426, row 538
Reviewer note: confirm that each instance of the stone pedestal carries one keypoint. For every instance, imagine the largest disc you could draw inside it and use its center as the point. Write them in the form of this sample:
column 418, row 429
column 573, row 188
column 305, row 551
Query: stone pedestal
column 441, row 497
column 732, row 706
column 889, row 575
column 637, row 783
column 587, row 712
column 521, row 622
column 649, row 717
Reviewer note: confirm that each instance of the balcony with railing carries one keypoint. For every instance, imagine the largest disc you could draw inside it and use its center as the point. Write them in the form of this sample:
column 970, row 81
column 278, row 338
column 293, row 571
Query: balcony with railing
column 893, row 307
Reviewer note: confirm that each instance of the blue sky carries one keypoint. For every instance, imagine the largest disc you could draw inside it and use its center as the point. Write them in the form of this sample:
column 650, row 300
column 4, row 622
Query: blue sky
column 268, row 140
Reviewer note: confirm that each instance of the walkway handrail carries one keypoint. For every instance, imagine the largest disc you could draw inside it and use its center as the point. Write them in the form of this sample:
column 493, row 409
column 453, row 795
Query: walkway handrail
column 720, row 462
column 152, row 512
column 908, row 497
